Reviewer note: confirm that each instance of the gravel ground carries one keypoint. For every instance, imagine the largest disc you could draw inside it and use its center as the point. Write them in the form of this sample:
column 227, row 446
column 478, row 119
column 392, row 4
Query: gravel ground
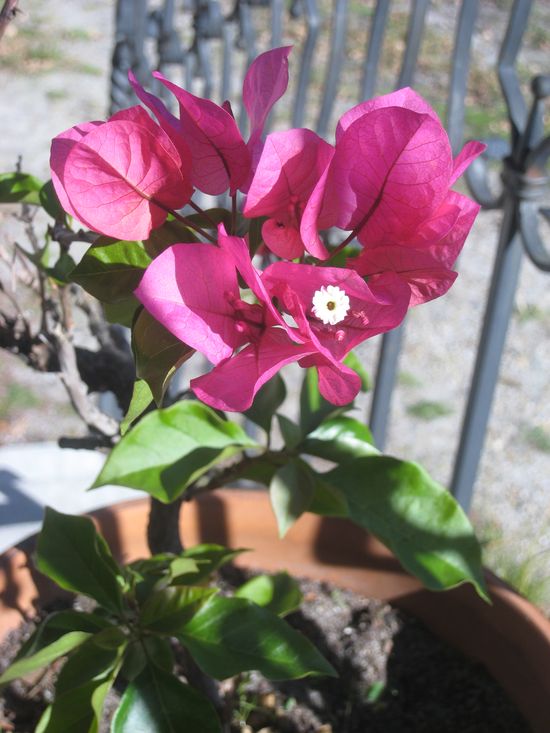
column 54, row 73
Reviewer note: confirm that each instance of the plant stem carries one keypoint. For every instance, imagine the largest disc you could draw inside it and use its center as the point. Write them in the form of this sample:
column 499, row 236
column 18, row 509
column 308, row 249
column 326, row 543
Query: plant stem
column 204, row 213
column 233, row 214
column 163, row 534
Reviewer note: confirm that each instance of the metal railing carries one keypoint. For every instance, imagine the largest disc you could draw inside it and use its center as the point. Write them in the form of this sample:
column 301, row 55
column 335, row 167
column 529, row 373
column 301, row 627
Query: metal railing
column 207, row 45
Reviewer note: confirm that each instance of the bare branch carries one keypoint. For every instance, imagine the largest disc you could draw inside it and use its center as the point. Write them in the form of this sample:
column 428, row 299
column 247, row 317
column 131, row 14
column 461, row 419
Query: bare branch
column 77, row 390
column 7, row 14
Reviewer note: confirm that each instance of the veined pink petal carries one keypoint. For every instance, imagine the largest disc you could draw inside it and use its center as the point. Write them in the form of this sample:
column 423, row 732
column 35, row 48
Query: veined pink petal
column 288, row 170
column 468, row 154
column 390, row 171
column 167, row 121
column 282, row 239
column 312, row 220
column 121, row 179
column 424, row 258
column 447, row 248
column 232, row 384
column 189, row 288
column 405, row 97
column 220, row 157
column 265, row 82
column 425, row 276
column 339, row 385
column 237, row 248
column 62, row 145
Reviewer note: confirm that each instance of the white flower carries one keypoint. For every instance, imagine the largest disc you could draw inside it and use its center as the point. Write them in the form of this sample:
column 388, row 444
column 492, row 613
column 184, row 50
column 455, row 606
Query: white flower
column 330, row 304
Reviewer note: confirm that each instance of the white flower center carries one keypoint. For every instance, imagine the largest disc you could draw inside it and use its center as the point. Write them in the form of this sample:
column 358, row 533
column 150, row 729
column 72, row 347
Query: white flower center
column 330, row 304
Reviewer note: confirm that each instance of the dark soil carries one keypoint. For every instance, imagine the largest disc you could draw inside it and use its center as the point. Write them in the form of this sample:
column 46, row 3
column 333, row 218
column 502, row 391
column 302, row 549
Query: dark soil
column 394, row 677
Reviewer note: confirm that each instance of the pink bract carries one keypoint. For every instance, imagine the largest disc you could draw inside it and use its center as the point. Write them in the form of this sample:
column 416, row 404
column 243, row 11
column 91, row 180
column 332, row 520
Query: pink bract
column 391, row 171
column 220, row 158
column 287, row 172
column 121, row 177
column 265, row 82
column 61, row 147
column 369, row 314
column 424, row 257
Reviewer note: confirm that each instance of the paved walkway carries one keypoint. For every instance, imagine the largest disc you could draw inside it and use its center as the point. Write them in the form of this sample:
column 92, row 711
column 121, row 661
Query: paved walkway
column 35, row 475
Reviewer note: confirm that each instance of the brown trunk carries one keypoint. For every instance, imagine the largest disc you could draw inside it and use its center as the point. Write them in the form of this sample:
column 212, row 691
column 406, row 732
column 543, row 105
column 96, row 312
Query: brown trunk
column 163, row 533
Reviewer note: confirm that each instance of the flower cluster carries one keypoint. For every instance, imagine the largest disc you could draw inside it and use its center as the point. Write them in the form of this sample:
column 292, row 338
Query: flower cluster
column 385, row 182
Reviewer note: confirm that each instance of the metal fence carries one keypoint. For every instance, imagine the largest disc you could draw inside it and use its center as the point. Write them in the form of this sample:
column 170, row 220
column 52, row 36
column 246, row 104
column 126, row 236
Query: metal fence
column 347, row 52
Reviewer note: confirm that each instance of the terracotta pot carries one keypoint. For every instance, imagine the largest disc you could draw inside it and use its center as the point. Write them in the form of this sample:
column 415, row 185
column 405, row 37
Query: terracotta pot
column 511, row 637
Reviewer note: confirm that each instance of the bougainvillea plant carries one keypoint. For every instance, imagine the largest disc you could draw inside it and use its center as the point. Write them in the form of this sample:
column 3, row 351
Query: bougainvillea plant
column 250, row 290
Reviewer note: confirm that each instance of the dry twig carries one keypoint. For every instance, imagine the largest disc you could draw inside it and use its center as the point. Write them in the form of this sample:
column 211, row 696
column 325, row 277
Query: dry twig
column 7, row 14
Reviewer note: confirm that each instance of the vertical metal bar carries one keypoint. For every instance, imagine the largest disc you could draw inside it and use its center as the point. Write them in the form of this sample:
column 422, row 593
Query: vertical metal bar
column 386, row 371
column 517, row 110
column 249, row 36
column 204, row 54
column 337, row 48
column 131, row 25
column 313, row 21
column 277, row 9
column 370, row 69
column 505, row 274
column 227, row 44
column 412, row 45
column 495, row 325
column 459, row 73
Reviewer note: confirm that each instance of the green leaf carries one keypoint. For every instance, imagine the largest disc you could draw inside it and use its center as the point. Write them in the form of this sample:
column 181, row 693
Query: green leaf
column 111, row 269
column 259, row 469
column 141, row 399
column 415, row 517
column 208, row 558
column 63, row 645
column 211, row 218
column 62, row 269
column 267, row 401
column 163, row 565
column 19, row 188
column 76, row 557
column 279, row 593
column 171, row 232
column 122, row 312
column 50, row 202
column 168, row 609
column 81, row 688
column 153, row 649
column 291, row 492
column 169, row 449
column 353, row 362
column 232, row 635
column 328, row 501
column 157, row 702
column 183, row 567
column 313, row 406
column 292, row 433
column 157, row 352
column 56, row 625
column 255, row 233
column 339, row 439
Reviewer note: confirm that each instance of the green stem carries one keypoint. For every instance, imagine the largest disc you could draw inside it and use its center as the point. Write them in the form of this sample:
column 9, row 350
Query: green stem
column 204, row 213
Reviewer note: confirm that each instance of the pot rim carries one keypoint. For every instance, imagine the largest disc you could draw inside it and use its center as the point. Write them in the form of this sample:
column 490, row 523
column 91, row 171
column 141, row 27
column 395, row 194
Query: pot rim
column 511, row 637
